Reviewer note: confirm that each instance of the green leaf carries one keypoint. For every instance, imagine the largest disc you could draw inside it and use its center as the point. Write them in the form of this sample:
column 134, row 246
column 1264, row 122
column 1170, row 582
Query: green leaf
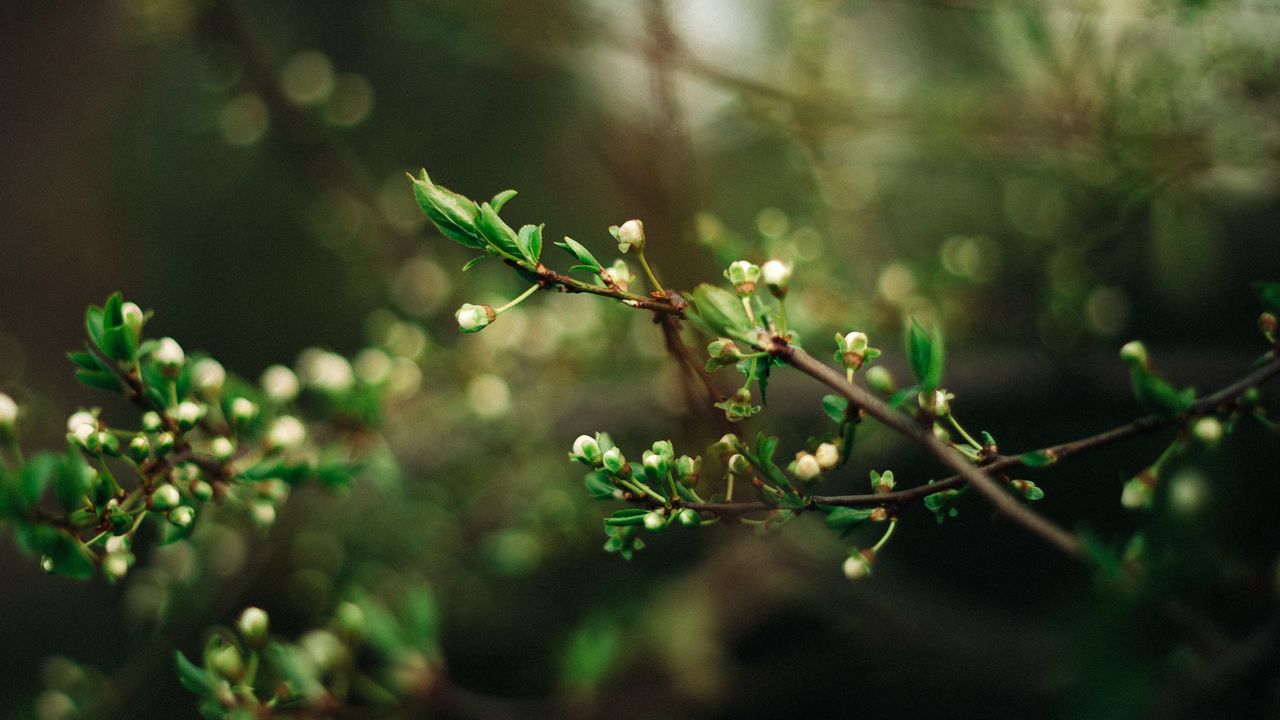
column 586, row 260
column 598, row 485
column 529, row 240
column 35, row 478
column 475, row 261
column 1037, row 458
column 835, row 407
column 845, row 519
column 86, row 361
column 119, row 343
column 452, row 214
column 192, row 677
column 1156, row 395
column 300, row 673
column 72, row 483
column 112, row 315
column 501, row 199
column 718, row 312
column 924, row 353
column 99, row 380
column 498, row 233
column 93, row 325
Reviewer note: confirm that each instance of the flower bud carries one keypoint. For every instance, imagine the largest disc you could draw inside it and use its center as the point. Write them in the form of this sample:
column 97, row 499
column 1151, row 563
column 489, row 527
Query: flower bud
column 286, row 433
column 200, row 490
column 614, row 461
column 188, row 414
column 253, row 625
column 263, row 513
column 349, row 619
column 243, row 410
column 630, row 235
column 777, row 277
column 688, row 517
column 139, row 448
column 855, row 342
column 1138, row 491
column 936, row 403
column 686, row 469
column 182, row 516
column 118, row 544
column 133, row 318
column 882, row 482
column 222, row 449
column 82, row 417
column 858, row 565
column 164, row 497
column 8, row 413
column 88, row 438
column 827, row 455
column 1134, row 353
column 279, row 384
column 1267, row 324
column 881, row 380
column 152, row 422
column 324, row 648
column 163, row 444
column 109, row 443
column 169, row 356
column 654, row 521
column 226, row 661
column 739, row 465
column 807, row 467
column 743, row 275
column 586, row 450
column 115, row 566
column 1207, row 430
column 618, row 275
column 208, row 377
column 474, row 318
column 655, row 466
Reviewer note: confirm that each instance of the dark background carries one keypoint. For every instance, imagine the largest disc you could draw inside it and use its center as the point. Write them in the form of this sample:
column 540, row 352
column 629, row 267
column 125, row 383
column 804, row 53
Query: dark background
column 1046, row 181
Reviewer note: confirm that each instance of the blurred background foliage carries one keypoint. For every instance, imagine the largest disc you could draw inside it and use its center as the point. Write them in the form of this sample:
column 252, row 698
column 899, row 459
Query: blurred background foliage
column 1046, row 180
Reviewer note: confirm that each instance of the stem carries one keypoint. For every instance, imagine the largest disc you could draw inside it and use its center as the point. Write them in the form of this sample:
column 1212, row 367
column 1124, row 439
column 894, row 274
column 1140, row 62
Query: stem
column 653, row 280
column 746, row 305
column 782, row 316
column 519, row 299
column 885, row 538
column 728, row 495
column 968, row 438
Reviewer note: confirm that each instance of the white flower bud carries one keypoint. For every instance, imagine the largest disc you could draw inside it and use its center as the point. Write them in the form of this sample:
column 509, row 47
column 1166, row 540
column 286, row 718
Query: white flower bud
column 1134, row 353
column 655, row 521
column 938, row 403
column 8, row 413
column 264, row 513
column 222, row 449
column 586, row 448
column 188, row 414
column 614, row 461
column 243, row 410
column 208, row 376
column 807, row 466
column 1136, row 494
column 168, row 354
column 117, row 544
column 286, row 432
column 827, row 455
column 618, row 275
column 1207, row 430
column 279, row 384
column 777, row 277
column 151, row 421
column 855, row 342
column 655, row 465
column 165, row 498
column 82, row 417
column 87, row 437
column 630, row 235
column 115, row 565
column 474, row 318
column 139, row 448
column 857, row 566
column 253, row 625
column 326, row 371
column 133, row 317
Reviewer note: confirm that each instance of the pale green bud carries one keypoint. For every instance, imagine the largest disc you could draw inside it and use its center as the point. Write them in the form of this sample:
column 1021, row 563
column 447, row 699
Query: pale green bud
column 1207, row 430
column 349, row 619
column 152, row 422
column 243, row 410
column 614, row 461
column 164, row 443
column 474, row 318
column 689, row 518
column 133, row 318
column 744, row 276
column 115, row 566
column 139, row 448
column 1135, row 353
column 858, row 565
column 208, row 377
column 182, row 516
column 619, row 275
column 226, row 661
column 827, row 455
column 201, row 490
column 169, row 356
column 164, row 497
column 739, row 465
column 8, row 413
column 586, row 450
column 880, row 380
column 82, row 417
column 655, row 466
column 222, row 449
column 279, row 384
column 655, row 521
column 253, row 625
column 286, row 433
column 630, row 235
column 188, row 414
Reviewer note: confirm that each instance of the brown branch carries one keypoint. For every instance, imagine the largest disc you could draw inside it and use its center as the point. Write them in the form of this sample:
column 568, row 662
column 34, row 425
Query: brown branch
column 901, row 498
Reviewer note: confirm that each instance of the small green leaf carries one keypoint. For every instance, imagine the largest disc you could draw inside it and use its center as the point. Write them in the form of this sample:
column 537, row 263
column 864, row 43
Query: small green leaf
column 501, row 199
column 191, row 676
column 86, row 361
column 845, row 519
column 93, row 325
column 99, row 380
column 1156, row 395
column 718, row 312
column 924, row 353
column 586, row 260
column 35, row 478
column 498, row 233
column 835, row 407
column 452, row 214
column 475, row 261
column 529, row 240
column 1037, row 458
column 598, row 485
column 72, row 482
